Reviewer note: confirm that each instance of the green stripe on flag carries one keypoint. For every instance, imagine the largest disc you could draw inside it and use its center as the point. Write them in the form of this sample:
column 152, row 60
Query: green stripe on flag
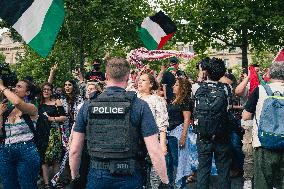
column 44, row 40
column 147, row 39
column 261, row 81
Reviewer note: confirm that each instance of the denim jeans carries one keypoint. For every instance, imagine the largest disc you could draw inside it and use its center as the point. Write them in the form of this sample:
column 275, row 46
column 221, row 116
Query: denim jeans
column 19, row 165
column 172, row 157
column 237, row 152
column 102, row 179
column 222, row 155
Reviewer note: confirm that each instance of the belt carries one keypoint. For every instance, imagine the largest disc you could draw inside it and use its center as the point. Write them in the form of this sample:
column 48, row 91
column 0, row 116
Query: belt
column 100, row 165
column 106, row 165
column 17, row 143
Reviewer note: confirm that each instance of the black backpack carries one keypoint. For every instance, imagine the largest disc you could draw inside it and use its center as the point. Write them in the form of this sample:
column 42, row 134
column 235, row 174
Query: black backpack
column 211, row 110
column 40, row 131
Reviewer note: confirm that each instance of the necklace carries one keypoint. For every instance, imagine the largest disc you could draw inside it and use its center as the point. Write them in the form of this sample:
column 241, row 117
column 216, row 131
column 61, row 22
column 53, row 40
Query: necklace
column 14, row 115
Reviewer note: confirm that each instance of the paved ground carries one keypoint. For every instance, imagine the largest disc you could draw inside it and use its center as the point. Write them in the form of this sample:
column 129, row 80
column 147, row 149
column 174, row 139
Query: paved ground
column 237, row 183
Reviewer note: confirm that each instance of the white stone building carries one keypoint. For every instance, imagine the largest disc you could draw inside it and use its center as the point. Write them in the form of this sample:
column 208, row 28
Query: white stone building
column 11, row 50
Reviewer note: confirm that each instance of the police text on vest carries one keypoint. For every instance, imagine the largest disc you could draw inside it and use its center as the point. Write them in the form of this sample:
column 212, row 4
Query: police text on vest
column 108, row 110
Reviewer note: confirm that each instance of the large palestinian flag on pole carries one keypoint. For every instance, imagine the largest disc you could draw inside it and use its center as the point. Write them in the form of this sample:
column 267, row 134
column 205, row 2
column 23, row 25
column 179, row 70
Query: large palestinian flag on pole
column 156, row 30
column 37, row 21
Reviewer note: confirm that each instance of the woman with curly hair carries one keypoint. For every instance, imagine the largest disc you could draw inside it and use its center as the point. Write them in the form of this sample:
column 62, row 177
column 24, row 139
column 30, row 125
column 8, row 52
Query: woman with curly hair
column 179, row 111
column 146, row 86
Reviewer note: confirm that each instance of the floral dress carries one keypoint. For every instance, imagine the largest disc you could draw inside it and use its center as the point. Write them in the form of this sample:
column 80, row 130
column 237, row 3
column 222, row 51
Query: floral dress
column 54, row 149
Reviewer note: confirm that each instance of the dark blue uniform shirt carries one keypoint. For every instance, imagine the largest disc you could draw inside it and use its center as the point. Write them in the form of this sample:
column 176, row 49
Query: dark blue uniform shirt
column 141, row 115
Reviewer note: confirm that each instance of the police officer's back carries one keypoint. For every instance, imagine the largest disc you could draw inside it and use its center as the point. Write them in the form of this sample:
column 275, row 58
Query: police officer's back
column 118, row 126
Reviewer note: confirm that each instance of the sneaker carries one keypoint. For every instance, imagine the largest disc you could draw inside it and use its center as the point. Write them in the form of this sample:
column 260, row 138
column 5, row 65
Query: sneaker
column 247, row 184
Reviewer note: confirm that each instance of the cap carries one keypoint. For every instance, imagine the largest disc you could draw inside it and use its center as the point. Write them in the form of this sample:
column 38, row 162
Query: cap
column 173, row 60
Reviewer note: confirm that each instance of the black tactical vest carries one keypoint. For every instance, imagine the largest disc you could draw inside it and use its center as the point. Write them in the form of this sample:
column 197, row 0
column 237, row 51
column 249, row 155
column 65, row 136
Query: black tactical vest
column 110, row 134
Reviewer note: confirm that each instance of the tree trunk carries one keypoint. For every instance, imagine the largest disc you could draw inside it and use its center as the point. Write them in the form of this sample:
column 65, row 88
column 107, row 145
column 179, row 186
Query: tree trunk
column 244, row 48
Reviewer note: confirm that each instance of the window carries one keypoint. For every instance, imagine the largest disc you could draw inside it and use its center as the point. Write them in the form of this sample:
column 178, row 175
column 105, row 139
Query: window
column 226, row 61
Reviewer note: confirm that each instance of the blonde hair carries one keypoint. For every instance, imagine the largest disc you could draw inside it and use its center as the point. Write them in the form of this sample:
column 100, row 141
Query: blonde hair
column 98, row 86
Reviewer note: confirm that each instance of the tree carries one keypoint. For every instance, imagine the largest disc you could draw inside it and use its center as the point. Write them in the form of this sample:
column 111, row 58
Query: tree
column 2, row 57
column 91, row 28
column 229, row 23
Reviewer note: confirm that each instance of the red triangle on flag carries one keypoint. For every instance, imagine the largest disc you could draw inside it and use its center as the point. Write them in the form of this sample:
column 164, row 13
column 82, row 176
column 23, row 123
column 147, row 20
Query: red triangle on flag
column 164, row 40
column 280, row 56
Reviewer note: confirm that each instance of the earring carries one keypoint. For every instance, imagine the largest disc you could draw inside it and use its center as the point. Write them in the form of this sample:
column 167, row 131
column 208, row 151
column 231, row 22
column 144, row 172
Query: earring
column 26, row 98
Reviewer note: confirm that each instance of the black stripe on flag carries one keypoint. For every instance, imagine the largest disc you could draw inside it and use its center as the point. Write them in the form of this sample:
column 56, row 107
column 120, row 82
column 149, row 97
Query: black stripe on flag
column 165, row 22
column 12, row 10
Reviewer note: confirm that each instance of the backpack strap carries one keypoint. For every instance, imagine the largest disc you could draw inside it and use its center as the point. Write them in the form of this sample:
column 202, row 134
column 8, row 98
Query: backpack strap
column 5, row 117
column 268, row 90
column 29, row 122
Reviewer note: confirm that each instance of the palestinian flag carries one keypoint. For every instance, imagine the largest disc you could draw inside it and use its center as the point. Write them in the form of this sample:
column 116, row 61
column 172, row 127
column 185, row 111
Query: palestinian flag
column 37, row 21
column 255, row 80
column 280, row 56
column 156, row 30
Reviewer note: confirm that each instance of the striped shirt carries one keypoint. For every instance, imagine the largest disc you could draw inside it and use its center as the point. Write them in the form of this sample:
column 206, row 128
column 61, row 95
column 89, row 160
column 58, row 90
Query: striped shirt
column 18, row 132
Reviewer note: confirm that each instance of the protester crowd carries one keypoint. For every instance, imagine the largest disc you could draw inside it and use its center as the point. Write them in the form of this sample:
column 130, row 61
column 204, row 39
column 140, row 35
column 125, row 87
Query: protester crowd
column 205, row 127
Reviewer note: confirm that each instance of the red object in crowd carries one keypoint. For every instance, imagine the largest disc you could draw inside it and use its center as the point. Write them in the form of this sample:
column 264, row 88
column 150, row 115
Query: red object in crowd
column 254, row 81
column 280, row 56
column 266, row 77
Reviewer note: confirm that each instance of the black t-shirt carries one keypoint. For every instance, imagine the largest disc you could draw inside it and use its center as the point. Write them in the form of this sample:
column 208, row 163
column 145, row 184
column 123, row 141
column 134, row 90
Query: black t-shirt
column 169, row 79
column 175, row 112
column 95, row 76
column 252, row 101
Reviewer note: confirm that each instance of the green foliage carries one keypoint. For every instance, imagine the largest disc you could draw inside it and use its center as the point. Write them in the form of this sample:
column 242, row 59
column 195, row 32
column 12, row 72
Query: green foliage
column 190, row 68
column 237, row 71
column 39, row 68
column 263, row 58
column 91, row 29
column 2, row 57
column 228, row 23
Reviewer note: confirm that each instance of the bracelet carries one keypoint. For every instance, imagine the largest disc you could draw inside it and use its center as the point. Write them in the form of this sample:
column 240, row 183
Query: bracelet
column 2, row 91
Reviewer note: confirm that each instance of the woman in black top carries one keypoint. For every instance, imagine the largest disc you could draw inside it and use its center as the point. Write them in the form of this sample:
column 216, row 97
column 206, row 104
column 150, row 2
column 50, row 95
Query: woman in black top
column 55, row 113
column 179, row 110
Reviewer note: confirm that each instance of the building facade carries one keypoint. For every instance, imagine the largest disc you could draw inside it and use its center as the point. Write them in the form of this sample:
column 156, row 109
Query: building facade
column 231, row 57
column 11, row 50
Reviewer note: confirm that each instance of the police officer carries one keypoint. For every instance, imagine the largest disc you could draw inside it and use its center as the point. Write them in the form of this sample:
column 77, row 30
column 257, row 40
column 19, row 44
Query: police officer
column 120, row 129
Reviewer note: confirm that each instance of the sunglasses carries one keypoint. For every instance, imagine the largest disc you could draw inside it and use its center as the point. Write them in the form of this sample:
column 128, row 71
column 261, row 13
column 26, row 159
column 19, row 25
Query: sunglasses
column 68, row 84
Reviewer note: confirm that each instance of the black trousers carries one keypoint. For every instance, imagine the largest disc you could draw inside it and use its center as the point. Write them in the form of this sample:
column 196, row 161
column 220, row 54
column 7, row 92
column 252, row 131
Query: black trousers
column 223, row 159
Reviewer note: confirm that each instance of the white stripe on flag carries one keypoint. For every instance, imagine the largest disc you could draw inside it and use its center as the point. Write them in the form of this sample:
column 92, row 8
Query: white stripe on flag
column 154, row 29
column 30, row 23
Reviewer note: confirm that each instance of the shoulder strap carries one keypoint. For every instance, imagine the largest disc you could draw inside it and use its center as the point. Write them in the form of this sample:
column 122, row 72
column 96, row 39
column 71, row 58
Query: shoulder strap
column 268, row 90
column 7, row 113
column 29, row 122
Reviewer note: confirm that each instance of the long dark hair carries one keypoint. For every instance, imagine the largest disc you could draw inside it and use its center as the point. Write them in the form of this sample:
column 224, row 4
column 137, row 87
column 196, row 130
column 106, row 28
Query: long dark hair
column 74, row 94
column 31, row 87
column 152, row 81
